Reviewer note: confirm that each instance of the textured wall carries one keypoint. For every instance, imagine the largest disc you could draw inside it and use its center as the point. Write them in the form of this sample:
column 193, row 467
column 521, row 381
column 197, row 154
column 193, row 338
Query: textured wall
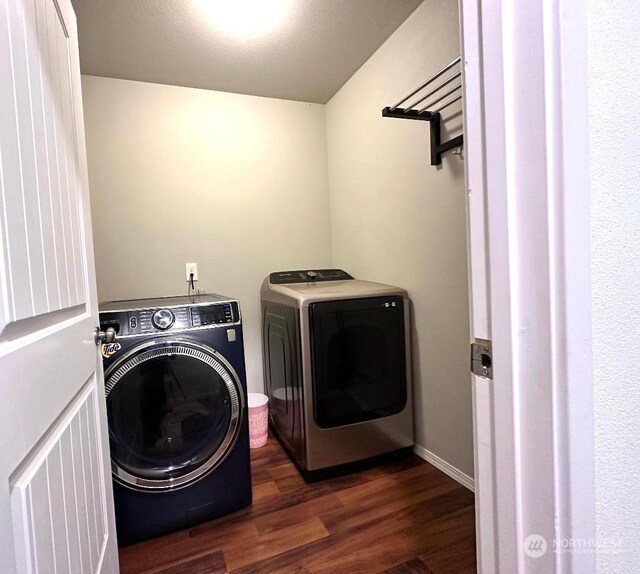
column 614, row 82
column 397, row 219
column 235, row 183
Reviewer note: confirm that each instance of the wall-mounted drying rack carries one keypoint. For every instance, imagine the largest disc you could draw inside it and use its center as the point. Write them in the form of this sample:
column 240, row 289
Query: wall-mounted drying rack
column 430, row 114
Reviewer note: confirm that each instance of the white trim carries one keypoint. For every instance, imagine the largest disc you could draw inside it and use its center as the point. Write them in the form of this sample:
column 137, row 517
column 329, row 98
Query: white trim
column 531, row 61
column 441, row 464
column 479, row 284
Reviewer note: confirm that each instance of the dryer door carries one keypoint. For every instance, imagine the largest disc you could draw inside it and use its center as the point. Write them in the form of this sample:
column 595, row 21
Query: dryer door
column 358, row 360
column 173, row 408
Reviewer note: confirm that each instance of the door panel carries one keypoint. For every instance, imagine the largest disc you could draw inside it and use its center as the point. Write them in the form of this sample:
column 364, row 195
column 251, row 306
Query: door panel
column 58, row 525
column 43, row 267
column 56, row 509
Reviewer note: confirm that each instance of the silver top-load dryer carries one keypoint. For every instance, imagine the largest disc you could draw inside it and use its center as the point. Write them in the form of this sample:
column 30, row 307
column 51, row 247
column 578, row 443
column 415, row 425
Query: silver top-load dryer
column 336, row 355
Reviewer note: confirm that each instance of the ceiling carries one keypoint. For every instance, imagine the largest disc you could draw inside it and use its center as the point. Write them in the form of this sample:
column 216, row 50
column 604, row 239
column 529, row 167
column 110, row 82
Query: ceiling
column 315, row 50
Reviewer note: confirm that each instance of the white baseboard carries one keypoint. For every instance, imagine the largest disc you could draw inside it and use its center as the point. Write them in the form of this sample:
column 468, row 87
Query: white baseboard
column 450, row 470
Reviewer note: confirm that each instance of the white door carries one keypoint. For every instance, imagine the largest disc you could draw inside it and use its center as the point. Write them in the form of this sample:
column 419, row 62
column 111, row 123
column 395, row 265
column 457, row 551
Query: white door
column 56, row 509
column 527, row 163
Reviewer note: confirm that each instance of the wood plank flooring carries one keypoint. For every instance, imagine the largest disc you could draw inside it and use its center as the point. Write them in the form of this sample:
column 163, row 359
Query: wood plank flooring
column 405, row 517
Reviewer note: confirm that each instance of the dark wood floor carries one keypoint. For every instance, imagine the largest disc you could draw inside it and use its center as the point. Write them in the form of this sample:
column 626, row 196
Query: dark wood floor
column 404, row 517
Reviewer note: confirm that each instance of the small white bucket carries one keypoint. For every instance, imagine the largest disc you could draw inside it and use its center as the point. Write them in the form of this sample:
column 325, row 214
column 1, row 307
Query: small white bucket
column 258, row 419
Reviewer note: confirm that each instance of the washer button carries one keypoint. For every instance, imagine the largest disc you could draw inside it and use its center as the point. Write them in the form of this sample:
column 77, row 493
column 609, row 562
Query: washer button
column 163, row 319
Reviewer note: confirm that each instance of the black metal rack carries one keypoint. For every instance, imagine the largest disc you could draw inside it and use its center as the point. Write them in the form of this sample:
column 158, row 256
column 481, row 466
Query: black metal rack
column 440, row 92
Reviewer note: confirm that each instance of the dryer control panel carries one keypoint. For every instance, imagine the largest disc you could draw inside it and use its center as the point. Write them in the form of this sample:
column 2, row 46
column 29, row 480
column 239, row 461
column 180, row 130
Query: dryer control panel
column 169, row 319
column 300, row 276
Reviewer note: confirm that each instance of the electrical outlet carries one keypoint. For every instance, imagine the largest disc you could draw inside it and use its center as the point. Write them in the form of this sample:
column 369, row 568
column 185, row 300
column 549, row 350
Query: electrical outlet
column 191, row 268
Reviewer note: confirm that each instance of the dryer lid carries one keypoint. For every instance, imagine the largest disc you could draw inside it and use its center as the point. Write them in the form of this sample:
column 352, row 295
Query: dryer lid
column 304, row 276
column 304, row 293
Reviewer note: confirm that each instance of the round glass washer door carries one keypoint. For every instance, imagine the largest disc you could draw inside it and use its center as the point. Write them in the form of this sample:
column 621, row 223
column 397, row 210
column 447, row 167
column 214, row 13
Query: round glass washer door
column 173, row 409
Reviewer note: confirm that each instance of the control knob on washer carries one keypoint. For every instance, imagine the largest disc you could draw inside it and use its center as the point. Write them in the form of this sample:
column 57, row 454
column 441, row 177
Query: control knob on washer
column 163, row 319
column 312, row 275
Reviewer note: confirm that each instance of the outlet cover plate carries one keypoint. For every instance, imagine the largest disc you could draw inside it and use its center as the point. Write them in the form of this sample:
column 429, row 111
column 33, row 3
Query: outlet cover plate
column 191, row 268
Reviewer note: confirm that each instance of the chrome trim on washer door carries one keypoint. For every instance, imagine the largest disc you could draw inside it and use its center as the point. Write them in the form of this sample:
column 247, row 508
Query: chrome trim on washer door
column 167, row 347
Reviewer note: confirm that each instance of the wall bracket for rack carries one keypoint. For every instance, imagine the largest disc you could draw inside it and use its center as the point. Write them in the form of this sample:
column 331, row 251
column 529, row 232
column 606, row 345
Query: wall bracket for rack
column 438, row 147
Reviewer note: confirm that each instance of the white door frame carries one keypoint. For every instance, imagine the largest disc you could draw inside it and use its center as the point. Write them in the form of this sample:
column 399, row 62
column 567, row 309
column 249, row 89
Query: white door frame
column 526, row 137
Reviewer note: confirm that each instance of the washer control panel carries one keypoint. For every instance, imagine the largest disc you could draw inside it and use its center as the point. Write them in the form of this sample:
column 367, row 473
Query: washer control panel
column 212, row 315
column 310, row 275
column 160, row 320
column 170, row 320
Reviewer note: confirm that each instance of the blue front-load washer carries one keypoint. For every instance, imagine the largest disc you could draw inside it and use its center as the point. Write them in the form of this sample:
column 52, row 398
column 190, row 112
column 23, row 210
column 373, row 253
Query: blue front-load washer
column 177, row 412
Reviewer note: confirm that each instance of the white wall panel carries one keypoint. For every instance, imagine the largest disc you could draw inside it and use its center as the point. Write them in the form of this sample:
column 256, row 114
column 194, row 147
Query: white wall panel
column 58, row 511
column 614, row 173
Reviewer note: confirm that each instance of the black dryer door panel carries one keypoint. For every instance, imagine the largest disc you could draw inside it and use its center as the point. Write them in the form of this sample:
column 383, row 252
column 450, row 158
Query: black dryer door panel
column 358, row 360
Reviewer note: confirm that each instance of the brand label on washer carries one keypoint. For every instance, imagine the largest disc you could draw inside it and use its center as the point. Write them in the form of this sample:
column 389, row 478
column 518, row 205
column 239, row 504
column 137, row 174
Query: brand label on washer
column 110, row 349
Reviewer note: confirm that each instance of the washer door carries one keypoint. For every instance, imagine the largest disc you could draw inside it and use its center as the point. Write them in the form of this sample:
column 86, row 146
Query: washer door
column 173, row 408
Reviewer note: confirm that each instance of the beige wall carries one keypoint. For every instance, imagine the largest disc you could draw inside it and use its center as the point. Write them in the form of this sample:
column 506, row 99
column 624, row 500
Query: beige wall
column 239, row 184
column 397, row 219
column 235, row 183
